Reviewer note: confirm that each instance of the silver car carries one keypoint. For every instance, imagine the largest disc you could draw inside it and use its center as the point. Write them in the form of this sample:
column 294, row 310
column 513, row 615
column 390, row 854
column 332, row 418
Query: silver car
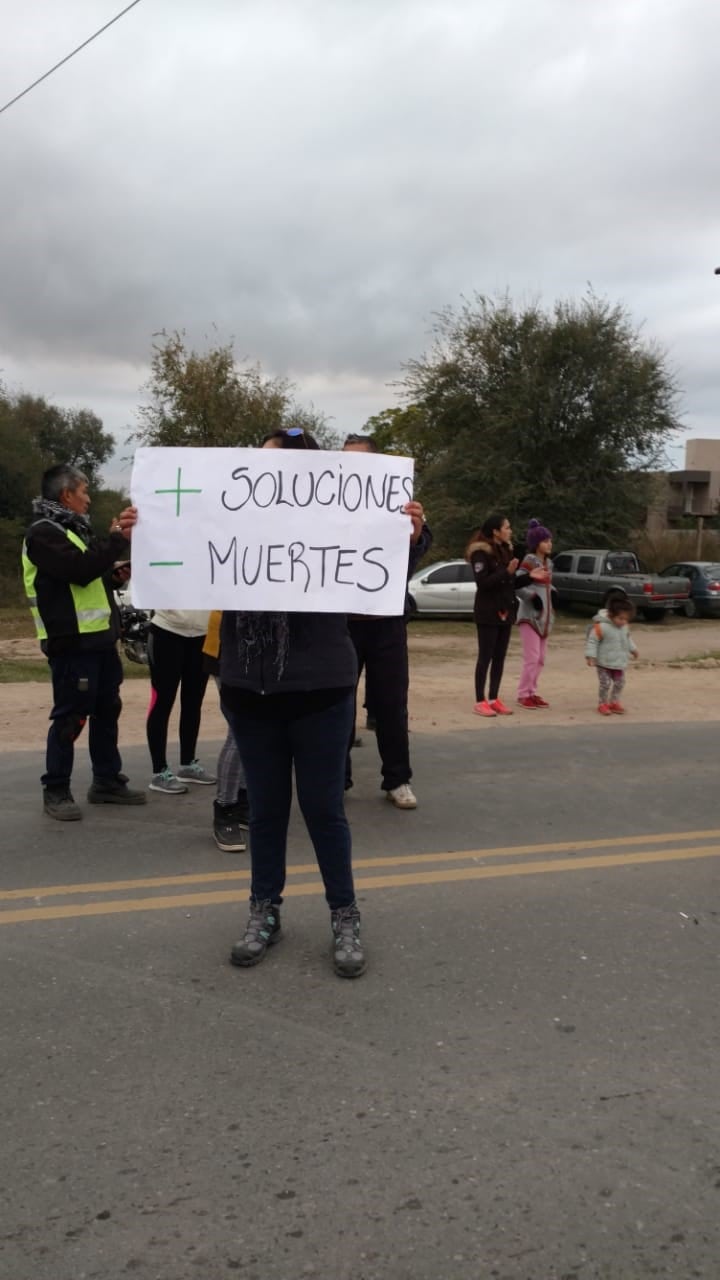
column 447, row 587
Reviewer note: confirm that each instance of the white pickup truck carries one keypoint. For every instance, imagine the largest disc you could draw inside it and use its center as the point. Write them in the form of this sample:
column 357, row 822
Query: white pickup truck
column 587, row 576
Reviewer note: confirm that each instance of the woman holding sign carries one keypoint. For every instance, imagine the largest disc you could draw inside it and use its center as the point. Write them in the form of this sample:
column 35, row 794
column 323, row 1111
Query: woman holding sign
column 288, row 690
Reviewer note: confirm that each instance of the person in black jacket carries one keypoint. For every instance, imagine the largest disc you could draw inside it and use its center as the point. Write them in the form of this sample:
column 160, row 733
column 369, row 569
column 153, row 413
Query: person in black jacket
column 490, row 552
column 287, row 686
column 382, row 652
column 68, row 580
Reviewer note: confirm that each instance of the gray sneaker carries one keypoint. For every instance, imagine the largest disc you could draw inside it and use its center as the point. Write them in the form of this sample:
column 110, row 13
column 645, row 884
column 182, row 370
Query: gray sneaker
column 262, row 930
column 194, row 772
column 348, row 955
column 166, row 782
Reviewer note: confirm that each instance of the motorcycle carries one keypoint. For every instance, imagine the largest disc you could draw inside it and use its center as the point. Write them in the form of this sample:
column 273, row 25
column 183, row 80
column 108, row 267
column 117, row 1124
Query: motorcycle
column 134, row 630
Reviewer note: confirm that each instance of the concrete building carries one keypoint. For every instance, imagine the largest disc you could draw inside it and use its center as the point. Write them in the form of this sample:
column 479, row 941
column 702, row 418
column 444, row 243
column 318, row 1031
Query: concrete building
column 695, row 491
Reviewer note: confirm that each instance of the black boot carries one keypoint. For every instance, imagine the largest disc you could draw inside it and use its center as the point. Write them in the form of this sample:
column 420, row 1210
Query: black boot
column 114, row 791
column 229, row 832
column 58, row 803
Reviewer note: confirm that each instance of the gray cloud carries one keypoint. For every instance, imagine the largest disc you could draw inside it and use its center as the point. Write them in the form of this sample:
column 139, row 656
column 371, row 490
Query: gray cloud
column 317, row 177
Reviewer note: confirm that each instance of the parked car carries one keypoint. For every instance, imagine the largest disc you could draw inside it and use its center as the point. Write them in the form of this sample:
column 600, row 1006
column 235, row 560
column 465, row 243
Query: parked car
column 704, row 576
column 588, row 575
column 447, row 587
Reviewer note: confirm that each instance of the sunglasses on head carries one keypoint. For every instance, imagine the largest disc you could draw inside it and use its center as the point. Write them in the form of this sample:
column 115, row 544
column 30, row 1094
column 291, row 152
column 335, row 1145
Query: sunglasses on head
column 353, row 439
column 287, row 433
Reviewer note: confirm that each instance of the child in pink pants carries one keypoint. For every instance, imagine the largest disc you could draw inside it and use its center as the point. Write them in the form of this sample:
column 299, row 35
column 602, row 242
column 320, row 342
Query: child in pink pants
column 535, row 612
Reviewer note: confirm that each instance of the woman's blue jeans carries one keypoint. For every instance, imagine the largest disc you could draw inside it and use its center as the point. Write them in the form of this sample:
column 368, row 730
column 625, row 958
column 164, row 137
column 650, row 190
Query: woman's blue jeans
column 316, row 744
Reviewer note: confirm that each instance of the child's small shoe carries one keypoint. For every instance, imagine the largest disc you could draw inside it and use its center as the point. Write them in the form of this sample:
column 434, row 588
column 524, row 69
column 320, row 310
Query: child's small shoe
column 604, row 709
column 483, row 709
column 617, row 708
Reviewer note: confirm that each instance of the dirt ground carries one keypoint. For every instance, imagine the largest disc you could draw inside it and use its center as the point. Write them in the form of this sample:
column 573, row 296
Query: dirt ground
column 673, row 680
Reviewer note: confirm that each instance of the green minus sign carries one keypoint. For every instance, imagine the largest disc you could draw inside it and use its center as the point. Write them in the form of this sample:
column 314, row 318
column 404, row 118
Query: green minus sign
column 163, row 564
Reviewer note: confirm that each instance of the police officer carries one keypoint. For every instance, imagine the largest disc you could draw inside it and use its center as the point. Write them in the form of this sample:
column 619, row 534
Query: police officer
column 68, row 577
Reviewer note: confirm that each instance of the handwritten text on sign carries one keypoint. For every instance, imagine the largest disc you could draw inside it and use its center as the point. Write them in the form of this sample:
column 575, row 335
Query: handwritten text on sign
column 276, row 529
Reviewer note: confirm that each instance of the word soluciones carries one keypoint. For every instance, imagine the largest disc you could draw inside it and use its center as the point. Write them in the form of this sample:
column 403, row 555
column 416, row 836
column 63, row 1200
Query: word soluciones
column 331, row 487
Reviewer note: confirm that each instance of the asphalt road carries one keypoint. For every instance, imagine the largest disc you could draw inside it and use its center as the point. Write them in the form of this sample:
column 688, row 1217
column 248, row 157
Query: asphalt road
column 523, row 1086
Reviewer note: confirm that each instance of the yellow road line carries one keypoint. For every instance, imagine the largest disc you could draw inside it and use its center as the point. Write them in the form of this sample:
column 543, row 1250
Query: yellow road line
column 124, row 906
column 359, row 864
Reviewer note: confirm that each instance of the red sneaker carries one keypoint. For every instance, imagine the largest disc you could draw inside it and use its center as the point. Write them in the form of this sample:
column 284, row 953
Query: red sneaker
column 483, row 709
column 617, row 708
column 499, row 708
column 539, row 702
column 528, row 702
column 604, row 709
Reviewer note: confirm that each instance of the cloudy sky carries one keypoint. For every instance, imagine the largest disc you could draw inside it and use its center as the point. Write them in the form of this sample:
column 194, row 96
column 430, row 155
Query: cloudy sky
column 314, row 178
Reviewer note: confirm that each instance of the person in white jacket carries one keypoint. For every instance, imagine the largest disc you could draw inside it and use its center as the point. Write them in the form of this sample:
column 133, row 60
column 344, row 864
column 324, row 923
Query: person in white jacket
column 175, row 644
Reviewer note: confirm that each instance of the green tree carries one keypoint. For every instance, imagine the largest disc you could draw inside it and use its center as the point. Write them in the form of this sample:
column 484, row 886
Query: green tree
column 35, row 435
column 20, row 464
column 205, row 398
column 105, row 505
column 406, row 431
column 561, row 415
column 64, row 435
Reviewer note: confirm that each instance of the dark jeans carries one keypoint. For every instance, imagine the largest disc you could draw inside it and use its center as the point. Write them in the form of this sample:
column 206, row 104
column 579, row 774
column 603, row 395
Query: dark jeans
column 493, row 644
column 175, row 662
column 85, row 685
column 381, row 648
column 315, row 742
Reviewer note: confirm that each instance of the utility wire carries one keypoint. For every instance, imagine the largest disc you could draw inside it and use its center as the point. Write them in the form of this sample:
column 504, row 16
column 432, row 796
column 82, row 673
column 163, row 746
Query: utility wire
column 67, row 58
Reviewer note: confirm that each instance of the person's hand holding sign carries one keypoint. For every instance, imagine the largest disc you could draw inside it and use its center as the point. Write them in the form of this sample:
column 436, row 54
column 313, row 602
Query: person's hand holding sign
column 124, row 522
column 415, row 511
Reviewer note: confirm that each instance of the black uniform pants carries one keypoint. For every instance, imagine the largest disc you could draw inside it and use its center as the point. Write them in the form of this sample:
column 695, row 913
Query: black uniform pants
column 381, row 648
column 85, row 686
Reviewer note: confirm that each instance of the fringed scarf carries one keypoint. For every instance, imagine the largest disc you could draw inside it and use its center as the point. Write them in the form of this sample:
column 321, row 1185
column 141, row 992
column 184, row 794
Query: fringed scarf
column 45, row 508
column 259, row 633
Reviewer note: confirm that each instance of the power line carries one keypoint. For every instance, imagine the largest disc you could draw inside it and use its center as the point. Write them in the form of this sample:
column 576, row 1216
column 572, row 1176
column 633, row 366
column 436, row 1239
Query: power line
column 68, row 56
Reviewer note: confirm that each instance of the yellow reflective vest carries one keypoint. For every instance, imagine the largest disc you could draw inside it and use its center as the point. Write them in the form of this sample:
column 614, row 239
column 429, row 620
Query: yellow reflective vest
column 90, row 603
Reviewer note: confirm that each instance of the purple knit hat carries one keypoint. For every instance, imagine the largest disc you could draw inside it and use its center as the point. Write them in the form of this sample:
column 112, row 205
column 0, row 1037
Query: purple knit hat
column 536, row 534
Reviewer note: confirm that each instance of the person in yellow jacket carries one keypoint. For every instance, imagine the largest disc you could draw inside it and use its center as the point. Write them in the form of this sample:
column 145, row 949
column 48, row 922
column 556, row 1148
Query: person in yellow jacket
column 68, row 577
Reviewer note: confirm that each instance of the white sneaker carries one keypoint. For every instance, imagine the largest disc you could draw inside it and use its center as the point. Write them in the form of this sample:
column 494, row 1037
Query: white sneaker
column 402, row 797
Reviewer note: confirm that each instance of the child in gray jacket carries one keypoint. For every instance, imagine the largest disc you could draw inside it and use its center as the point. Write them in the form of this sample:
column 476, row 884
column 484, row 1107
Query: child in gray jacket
column 609, row 648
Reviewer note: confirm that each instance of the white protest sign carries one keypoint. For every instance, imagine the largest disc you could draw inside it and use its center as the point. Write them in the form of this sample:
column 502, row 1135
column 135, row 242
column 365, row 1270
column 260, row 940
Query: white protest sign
column 283, row 530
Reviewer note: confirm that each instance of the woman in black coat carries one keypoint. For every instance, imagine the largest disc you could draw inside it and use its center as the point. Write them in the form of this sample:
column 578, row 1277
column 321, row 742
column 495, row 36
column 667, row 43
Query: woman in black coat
column 287, row 687
column 490, row 552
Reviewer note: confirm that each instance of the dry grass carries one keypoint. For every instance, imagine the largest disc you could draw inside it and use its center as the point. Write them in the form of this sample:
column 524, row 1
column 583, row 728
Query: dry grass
column 659, row 550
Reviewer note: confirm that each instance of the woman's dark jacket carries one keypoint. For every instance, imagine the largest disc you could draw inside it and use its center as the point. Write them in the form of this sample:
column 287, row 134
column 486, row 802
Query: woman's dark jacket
column 495, row 587
column 320, row 655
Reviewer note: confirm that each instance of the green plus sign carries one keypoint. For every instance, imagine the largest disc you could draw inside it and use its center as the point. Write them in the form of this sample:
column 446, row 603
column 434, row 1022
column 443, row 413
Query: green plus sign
column 177, row 491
